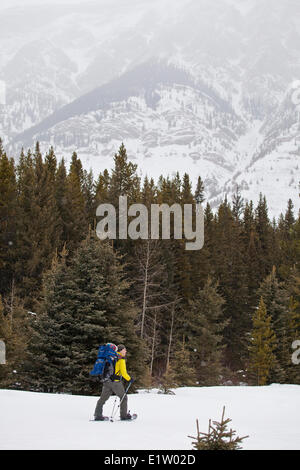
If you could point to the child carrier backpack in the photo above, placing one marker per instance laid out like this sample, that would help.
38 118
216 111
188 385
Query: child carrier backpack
104 367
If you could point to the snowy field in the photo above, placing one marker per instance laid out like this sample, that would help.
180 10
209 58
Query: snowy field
269 415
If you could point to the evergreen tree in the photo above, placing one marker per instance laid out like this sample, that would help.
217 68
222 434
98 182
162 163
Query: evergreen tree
289 218
229 268
186 190
218 436
147 381
237 203
201 260
249 244
38 231
76 216
292 326
149 192
276 300
8 214
168 381
89 197
265 247
185 258
84 304
51 166
262 345
43 208
184 367
102 188
25 222
204 329
199 193
288 234
14 331
124 179
60 193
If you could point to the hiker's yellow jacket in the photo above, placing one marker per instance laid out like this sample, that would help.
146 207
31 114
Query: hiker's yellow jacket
120 369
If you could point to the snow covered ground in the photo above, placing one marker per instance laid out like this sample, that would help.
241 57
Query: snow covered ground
269 415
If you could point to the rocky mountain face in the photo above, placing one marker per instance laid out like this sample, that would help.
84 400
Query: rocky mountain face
207 88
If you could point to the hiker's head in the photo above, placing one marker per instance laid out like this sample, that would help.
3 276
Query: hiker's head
122 350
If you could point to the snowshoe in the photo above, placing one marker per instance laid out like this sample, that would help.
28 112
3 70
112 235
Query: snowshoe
100 418
129 417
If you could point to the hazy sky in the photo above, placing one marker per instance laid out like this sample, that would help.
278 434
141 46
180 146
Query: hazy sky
12 3
4 4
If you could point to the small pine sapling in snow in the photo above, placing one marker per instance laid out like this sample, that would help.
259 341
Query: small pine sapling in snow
147 381
218 436
168 381
182 363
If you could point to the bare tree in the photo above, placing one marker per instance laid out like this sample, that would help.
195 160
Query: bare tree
153 295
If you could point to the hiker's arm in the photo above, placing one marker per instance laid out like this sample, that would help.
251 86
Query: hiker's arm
123 370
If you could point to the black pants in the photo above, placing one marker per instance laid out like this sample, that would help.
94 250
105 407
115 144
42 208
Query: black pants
108 389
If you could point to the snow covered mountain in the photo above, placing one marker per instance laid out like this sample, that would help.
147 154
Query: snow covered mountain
209 88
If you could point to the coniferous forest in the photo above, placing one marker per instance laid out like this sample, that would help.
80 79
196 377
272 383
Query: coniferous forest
226 314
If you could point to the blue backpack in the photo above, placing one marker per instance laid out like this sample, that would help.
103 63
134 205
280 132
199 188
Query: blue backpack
104 367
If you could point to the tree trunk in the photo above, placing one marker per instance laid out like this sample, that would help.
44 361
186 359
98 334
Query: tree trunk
145 290
153 344
171 335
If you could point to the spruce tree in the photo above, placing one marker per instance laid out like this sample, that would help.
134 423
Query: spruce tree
60 194
199 193
102 188
14 331
76 215
168 381
229 268
262 345
292 326
88 190
276 299
84 304
25 224
289 218
124 179
183 364
218 436
237 203
203 327
37 223
201 260
288 234
249 244
8 215
148 193
263 228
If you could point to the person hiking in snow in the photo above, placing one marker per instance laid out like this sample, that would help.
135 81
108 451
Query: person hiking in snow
114 385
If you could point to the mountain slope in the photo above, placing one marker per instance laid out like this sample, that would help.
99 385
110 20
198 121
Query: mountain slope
194 86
